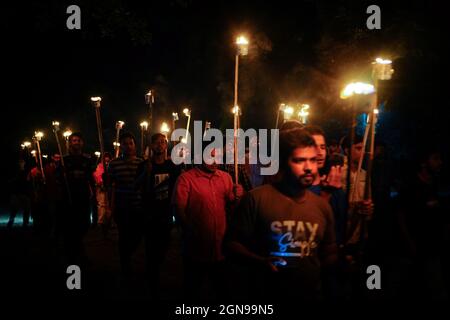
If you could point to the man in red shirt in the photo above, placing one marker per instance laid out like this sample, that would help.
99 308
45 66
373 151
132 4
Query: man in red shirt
201 198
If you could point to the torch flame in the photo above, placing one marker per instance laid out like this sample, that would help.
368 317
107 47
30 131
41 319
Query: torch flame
235 110
357 88
382 61
303 111
144 125
288 110
67 133
164 128
119 124
38 134
241 40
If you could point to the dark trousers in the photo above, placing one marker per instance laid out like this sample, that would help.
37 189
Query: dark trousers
157 240
130 225
41 217
75 224
204 281
284 285
17 202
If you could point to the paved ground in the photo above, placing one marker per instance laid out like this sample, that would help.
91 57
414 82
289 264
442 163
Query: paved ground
33 266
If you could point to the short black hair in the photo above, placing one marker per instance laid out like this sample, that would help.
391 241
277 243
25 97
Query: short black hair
315 130
291 124
76 134
155 136
346 141
127 135
293 139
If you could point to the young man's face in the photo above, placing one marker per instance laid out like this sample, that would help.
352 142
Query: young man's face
357 150
302 165
128 147
56 158
321 150
76 144
210 164
160 145
107 160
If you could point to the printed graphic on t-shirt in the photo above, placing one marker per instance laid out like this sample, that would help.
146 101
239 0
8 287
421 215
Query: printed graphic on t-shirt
291 238
161 186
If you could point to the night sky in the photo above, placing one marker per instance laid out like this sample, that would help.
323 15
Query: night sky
301 51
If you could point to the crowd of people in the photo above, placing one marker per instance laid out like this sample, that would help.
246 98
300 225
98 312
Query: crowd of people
310 230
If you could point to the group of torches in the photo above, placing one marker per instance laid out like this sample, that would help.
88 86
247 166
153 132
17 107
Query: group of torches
381 70
36 150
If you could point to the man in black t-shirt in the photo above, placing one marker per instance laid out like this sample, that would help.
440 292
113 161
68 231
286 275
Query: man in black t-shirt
77 194
285 231
157 177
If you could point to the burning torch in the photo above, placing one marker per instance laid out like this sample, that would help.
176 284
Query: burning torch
304 113
150 100
38 137
187 113
66 135
242 49
56 130
119 126
144 127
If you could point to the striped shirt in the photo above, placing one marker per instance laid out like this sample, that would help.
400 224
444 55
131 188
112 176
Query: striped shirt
123 175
